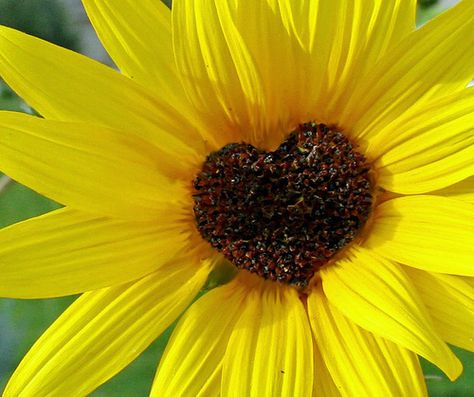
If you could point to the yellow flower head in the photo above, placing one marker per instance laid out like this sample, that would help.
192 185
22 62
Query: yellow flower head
317 153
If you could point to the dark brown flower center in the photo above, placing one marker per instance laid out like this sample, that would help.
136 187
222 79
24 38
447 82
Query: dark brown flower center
284 214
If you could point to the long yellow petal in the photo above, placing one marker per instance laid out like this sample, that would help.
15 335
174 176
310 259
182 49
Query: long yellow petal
66 252
415 72
361 363
463 190
379 297
427 151
103 331
216 69
64 85
256 36
88 167
270 349
323 384
192 362
427 232
304 65
407 127
450 301
338 55
139 41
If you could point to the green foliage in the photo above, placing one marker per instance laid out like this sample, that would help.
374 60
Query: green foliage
21 323
427 3
8 99
440 386
42 18
17 202
426 13
137 378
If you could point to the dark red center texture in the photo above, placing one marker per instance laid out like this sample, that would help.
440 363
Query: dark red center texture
284 214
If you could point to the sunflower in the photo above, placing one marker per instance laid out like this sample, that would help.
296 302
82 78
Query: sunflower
307 164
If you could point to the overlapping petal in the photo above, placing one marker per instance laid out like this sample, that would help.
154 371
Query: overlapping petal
291 68
66 252
64 85
88 167
450 301
140 42
338 55
432 62
323 384
379 297
192 362
216 68
361 363
251 71
103 331
433 233
422 152
270 349
463 190
275 57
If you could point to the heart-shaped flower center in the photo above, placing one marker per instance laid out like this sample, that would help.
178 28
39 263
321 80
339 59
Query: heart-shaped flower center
284 214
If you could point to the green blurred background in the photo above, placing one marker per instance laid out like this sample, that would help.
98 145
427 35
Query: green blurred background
23 321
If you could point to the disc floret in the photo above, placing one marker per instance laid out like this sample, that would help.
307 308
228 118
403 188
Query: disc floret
286 213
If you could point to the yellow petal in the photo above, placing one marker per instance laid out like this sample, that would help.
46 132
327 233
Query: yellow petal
361 363
427 232
88 167
261 39
192 362
139 41
463 191
379 297
270 349
434 61
323 384
427 151
216 69
306 20
439 111
67 251
342 41
450 301
63 85
304 61
103 331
